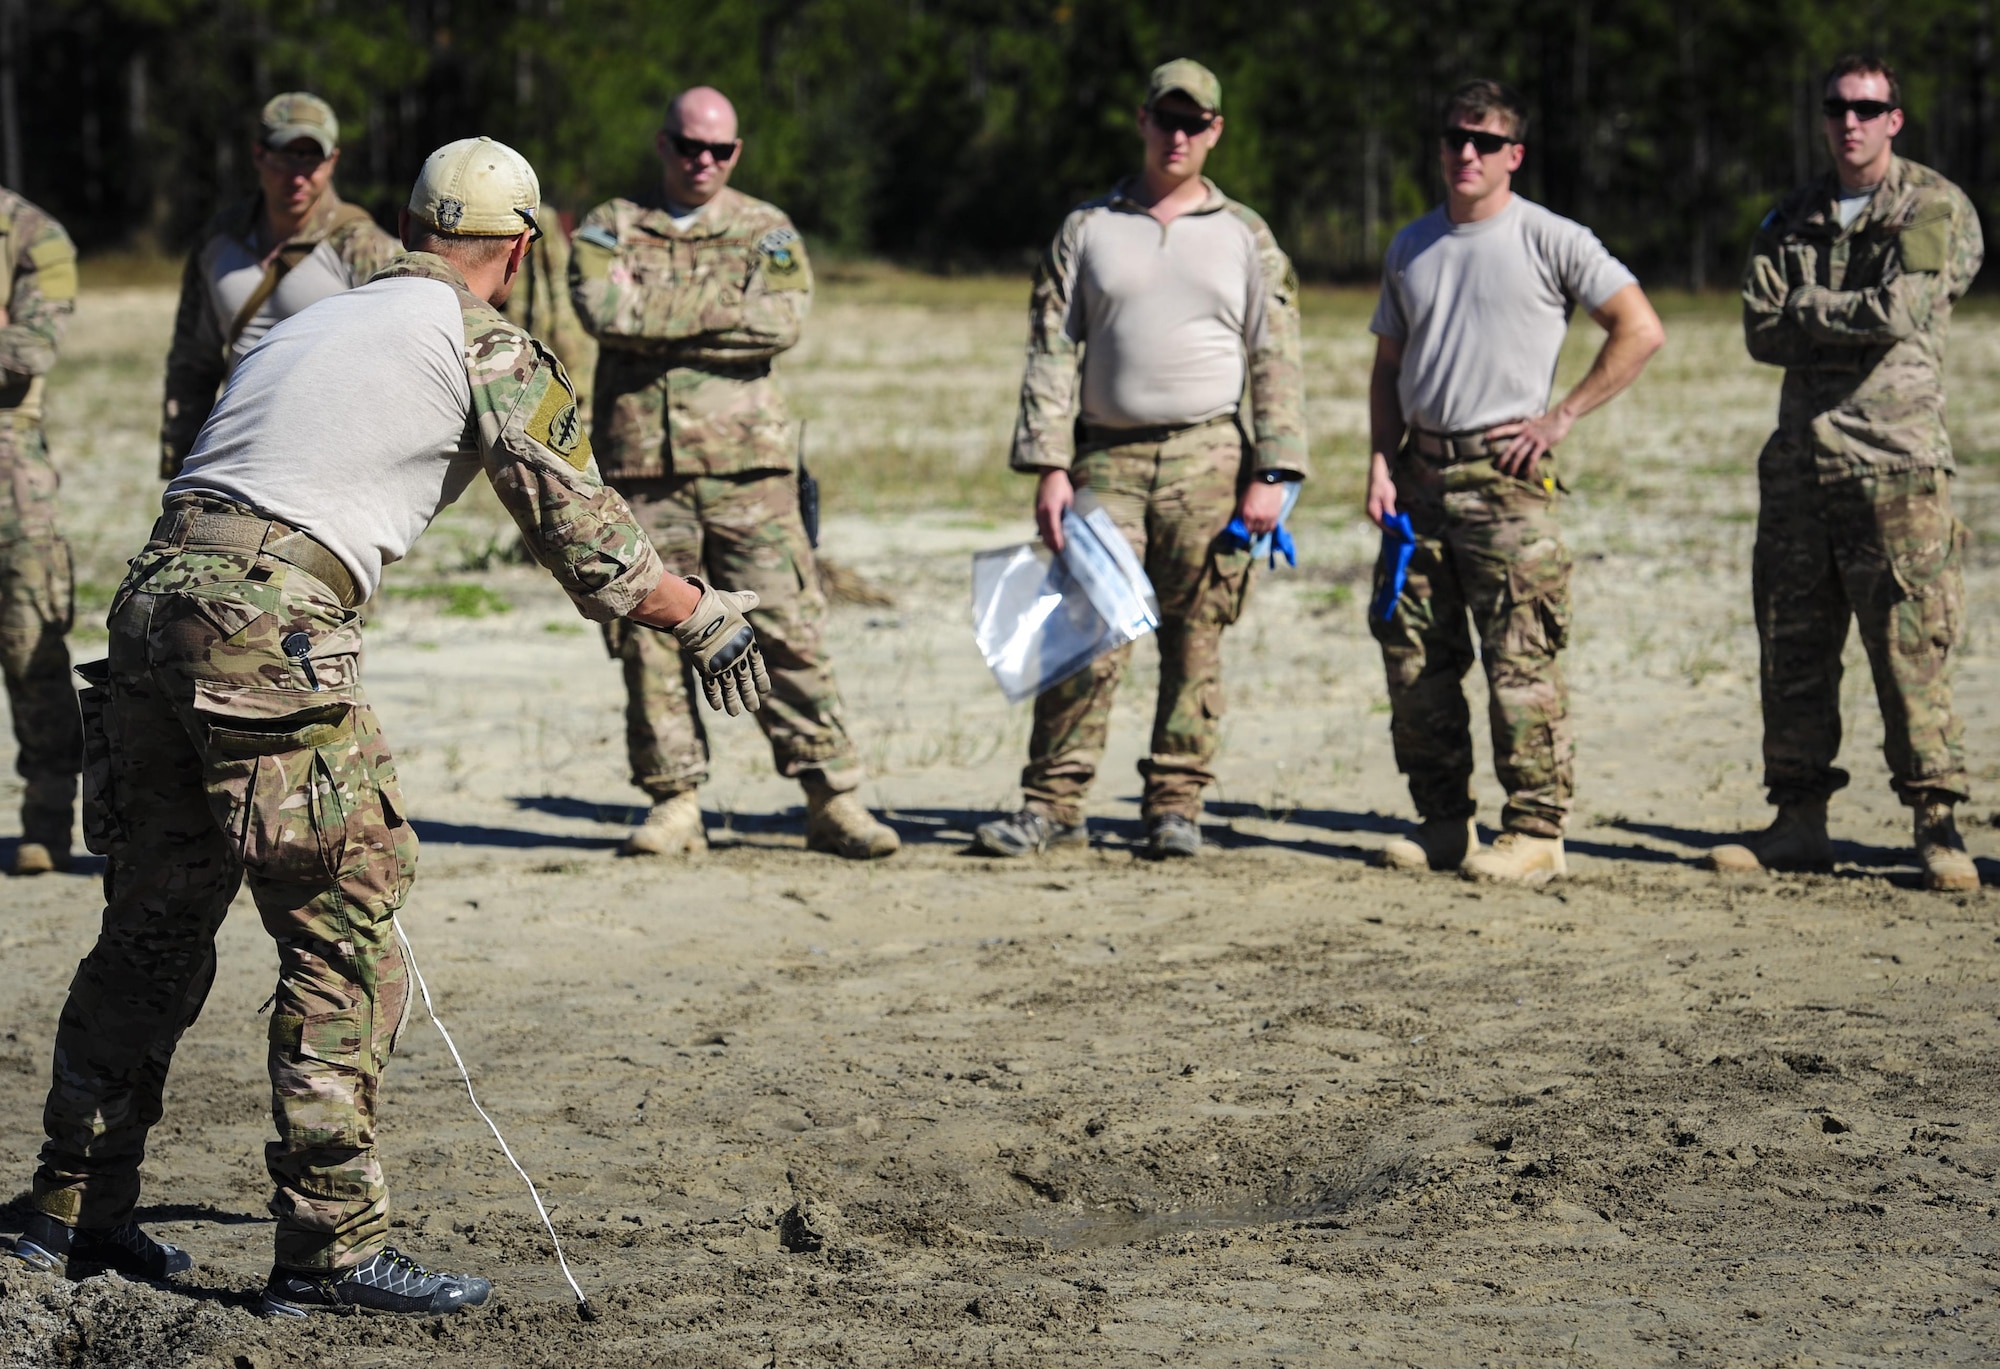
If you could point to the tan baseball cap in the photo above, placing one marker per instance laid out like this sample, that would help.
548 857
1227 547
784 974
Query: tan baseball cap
477 188
287 118
1190 78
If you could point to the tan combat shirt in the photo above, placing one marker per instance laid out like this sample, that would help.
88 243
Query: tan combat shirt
1858 316
688 322
335 249
1162 321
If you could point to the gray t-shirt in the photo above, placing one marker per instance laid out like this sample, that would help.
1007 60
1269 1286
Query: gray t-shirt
349 421
1481 310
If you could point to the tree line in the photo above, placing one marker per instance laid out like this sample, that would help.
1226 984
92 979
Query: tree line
954 133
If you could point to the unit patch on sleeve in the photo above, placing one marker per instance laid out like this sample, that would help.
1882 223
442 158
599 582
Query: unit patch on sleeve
784 259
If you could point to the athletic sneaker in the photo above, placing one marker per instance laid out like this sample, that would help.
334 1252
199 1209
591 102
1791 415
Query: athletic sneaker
386 1282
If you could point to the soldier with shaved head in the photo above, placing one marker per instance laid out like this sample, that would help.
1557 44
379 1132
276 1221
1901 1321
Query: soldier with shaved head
693 292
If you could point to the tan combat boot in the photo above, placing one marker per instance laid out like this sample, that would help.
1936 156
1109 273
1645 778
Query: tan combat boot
1438 844
1516 858
841 825
33 858
1796 840
672 827
1941 851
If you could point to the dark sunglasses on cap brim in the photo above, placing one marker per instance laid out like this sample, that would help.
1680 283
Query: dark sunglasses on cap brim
692 148
1486 144
1864 110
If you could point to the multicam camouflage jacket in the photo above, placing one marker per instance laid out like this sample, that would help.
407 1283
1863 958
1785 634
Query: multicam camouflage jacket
1044 433
38 264
1858 318
540 304
688 322
232 245
530 436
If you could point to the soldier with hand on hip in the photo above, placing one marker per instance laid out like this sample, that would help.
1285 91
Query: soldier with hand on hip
37 588
1156 306
259 262
227 734
1476 301
1850 288
692 295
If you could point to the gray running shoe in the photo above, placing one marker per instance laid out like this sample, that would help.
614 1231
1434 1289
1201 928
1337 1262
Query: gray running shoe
1171 836
386 1282
1027 833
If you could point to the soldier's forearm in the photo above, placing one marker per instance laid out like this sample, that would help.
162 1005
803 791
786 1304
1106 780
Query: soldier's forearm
27 351
1862 318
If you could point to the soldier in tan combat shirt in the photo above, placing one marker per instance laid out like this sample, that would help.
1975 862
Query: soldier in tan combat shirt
692 296
38 272
1850 288
259 262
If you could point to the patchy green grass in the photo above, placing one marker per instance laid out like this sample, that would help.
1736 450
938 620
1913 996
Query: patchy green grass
454 598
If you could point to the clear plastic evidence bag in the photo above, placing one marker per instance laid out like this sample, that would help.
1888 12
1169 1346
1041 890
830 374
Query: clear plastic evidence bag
1039 618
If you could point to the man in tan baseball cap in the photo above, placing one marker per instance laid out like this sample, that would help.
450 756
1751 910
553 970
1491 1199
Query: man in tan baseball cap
237 741
262 260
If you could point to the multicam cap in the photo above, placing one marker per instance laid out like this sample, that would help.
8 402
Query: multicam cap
477 188
287 118
1190 78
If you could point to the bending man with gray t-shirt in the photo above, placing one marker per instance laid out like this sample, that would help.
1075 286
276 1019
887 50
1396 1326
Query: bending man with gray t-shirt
1476 299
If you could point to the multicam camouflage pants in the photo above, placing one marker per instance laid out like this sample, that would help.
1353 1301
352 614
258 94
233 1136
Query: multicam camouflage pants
1886 552
740 532
1487 549
1171 496
36 609
208 756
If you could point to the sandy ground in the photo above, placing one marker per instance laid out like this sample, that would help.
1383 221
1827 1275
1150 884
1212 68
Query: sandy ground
1268 1107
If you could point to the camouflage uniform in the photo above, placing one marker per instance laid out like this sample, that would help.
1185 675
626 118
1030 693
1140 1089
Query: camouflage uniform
540 304
38 263
209 756
1855 517
691 427
1487 546
1171 492
198 360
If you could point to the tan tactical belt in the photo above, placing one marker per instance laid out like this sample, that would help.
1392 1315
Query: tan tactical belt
1124 437
193 526
1451 449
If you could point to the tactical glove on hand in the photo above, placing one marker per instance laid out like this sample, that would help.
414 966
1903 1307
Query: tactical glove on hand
724 648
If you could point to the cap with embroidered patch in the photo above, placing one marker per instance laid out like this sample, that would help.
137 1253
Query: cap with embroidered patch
1190 78
294 115
477 188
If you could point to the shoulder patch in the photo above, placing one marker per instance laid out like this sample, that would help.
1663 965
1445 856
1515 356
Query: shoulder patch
597 235
1926 242
55 267
784 258
558 426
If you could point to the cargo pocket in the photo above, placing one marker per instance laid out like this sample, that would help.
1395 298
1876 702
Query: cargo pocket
1930 607
384 829
1538 588
335 1038
103 833
277 763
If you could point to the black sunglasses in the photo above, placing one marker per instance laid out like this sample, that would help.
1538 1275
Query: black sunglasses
692 148
534 225
1194 125
1864 110
1454 139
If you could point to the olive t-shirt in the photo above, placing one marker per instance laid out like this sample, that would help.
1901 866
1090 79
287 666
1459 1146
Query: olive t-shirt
1481 310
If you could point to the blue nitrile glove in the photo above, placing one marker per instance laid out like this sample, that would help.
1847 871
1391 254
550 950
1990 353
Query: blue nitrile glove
1276 541
1398 531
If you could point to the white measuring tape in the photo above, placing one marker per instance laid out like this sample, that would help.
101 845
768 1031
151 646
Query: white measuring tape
582 1303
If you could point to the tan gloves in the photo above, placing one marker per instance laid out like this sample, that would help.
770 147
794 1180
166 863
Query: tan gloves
724 649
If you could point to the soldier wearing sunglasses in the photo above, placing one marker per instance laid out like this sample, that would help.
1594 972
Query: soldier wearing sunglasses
1157 305
259 262
692 293
1850 288
1476 301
